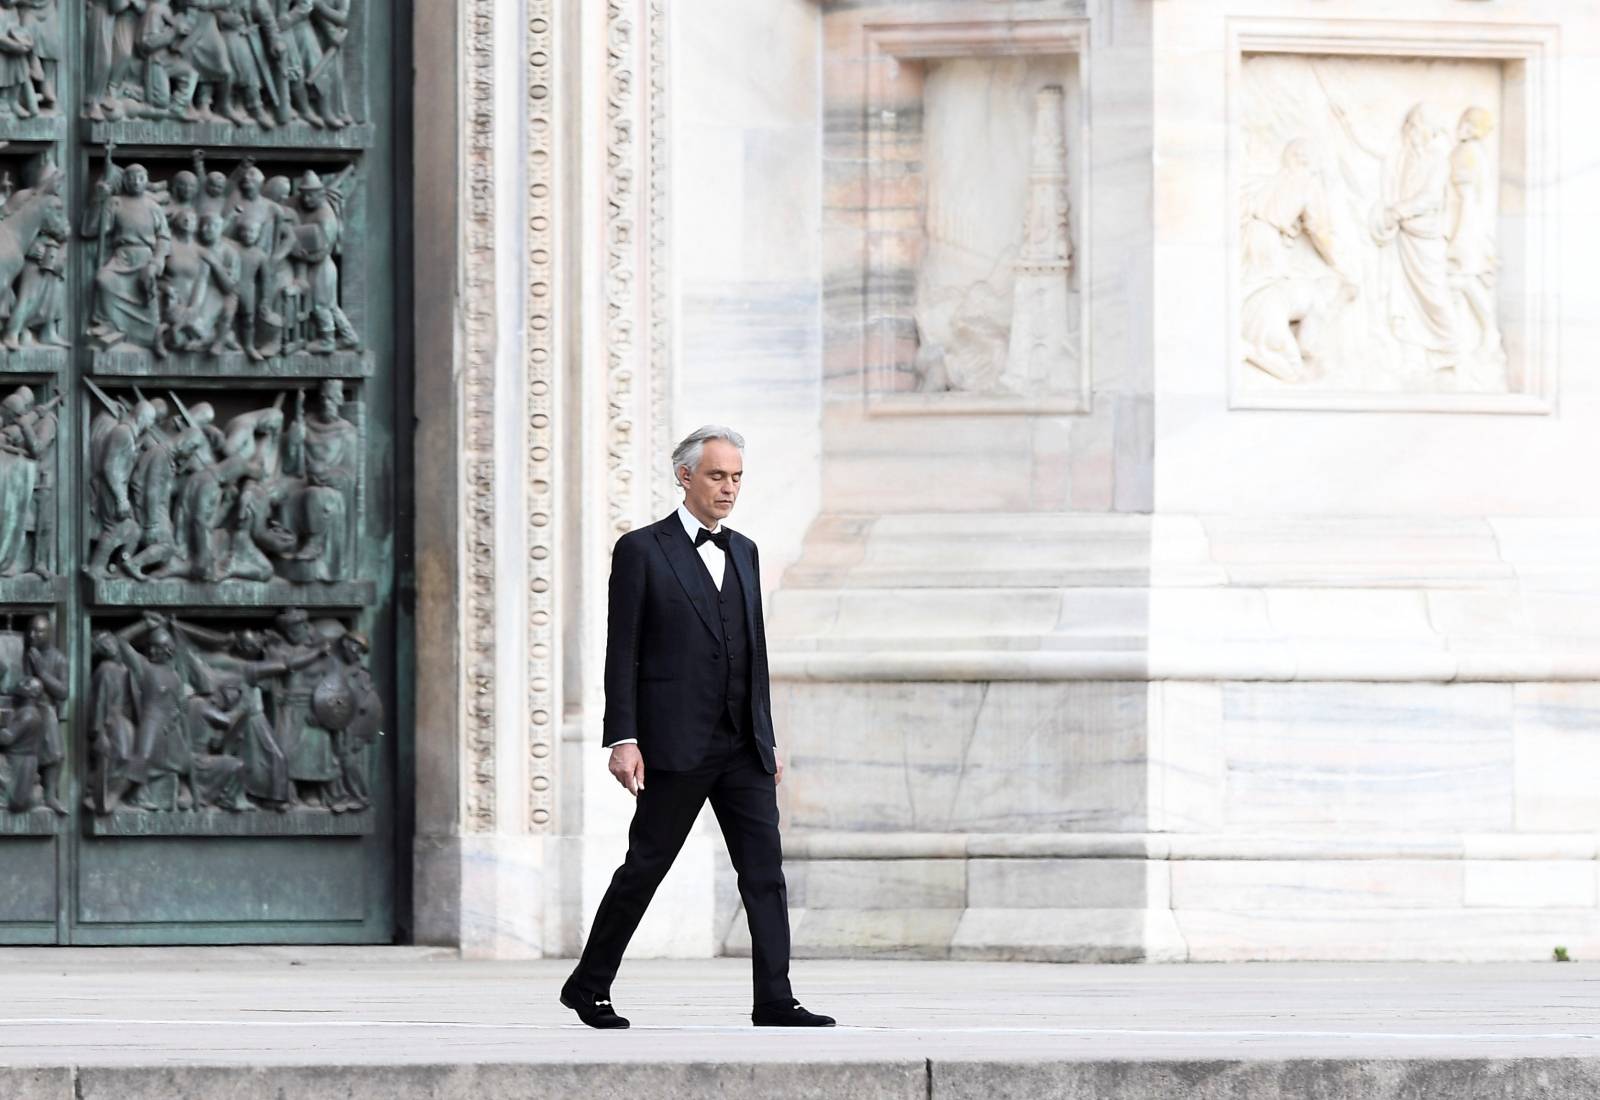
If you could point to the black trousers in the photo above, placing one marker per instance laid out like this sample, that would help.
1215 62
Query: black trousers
745 800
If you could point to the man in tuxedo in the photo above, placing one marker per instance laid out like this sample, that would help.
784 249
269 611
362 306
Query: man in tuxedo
687 696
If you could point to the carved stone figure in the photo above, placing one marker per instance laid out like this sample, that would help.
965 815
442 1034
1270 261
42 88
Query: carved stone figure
133 243
1286 298
1042 349
27 484
1412 219
1472 255
1369 262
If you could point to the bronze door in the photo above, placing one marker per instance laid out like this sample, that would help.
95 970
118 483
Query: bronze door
199 381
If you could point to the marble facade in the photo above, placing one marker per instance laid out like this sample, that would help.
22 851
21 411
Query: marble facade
1253 618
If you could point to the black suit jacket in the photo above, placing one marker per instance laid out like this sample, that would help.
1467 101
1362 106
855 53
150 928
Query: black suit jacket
664 681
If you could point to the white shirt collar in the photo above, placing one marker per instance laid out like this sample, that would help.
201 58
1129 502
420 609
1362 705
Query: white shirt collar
692 526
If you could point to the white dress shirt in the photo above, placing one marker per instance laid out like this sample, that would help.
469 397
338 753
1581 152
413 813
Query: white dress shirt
714 556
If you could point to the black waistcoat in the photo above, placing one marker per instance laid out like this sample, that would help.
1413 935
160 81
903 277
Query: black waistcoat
735 651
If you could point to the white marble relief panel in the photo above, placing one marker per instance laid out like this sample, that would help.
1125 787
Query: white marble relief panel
977 216
995 301
1370 205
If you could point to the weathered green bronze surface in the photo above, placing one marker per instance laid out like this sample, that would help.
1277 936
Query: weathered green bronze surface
197 398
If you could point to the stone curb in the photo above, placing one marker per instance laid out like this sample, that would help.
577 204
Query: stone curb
1310 1079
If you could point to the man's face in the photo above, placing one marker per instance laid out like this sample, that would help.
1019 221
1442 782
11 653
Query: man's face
711 490
137 181
39 632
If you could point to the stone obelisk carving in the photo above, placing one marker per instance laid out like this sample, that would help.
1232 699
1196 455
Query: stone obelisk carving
1042 355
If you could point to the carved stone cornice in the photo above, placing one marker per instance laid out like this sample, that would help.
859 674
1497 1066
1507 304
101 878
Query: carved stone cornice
478 398
540 323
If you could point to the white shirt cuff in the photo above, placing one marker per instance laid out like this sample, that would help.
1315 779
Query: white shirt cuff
624 741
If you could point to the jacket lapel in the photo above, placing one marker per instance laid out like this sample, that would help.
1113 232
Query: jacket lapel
739 556
686 566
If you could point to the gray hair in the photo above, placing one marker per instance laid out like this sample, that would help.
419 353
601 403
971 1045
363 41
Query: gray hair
689 451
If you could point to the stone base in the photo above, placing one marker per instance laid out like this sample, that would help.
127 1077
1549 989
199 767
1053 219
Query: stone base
483 894
1173 897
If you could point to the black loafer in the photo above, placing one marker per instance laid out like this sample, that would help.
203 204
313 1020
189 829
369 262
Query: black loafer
787 1014
593 1009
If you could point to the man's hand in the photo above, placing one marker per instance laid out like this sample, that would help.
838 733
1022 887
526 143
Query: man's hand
778 775
627 764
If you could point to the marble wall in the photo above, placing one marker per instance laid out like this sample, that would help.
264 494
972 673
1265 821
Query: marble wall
745 242
1204 656
914 237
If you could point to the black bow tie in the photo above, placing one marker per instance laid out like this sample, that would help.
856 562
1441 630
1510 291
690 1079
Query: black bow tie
718 537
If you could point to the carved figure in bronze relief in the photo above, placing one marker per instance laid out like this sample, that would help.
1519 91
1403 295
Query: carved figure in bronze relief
232 720
307 745
170 79
32 220
159 766
41 299
46 665
17 94
27 484
31 741
318 240
347 703
155 478
41 23
111 726
114 438
133 241
215 309
324 453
